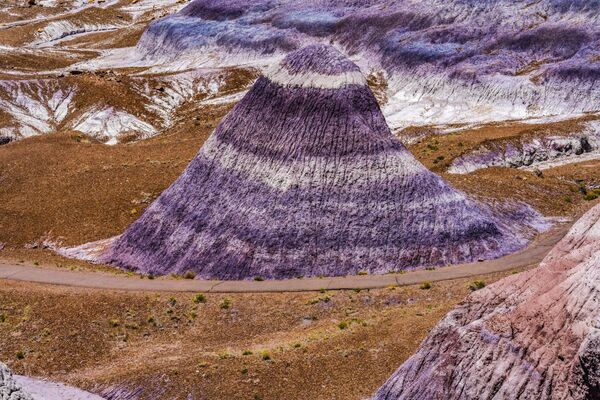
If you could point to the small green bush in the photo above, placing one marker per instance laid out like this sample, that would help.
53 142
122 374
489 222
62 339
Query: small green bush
590 196
425 286
343 325
265 355
2 317
363 272
20 355
259 278
114 323
226 304
199 298
247 353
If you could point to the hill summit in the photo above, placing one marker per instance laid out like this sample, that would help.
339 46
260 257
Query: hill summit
304 178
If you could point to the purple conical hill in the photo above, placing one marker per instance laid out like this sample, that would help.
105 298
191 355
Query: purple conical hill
303 178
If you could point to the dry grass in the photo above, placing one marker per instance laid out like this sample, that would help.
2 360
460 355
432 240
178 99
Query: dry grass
172 346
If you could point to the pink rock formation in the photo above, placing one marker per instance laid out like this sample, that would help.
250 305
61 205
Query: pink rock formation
535 335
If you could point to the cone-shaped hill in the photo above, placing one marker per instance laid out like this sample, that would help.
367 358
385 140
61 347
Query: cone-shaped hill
302 178
531 336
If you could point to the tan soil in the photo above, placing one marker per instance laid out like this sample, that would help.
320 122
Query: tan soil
98 339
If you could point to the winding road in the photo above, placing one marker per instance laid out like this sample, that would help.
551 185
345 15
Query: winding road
532 255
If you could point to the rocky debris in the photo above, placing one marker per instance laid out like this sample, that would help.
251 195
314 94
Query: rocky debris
303 178
535 335
9 389
536 153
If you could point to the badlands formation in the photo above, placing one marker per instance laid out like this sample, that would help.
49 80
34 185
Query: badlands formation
352 137
304 178
535 335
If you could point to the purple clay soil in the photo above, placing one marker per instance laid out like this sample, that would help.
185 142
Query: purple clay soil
307 181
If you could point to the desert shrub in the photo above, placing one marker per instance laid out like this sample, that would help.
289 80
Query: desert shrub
590 196
265 355
226 304
20 355
199 298
476 285
363 272
247 353
259 278
114 323
343 325
425 286
244 371
3 317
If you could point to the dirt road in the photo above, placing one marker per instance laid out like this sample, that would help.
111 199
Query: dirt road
532 255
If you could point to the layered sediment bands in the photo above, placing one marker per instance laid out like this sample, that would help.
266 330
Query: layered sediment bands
9 389
535 335
304 178
449 61
527 152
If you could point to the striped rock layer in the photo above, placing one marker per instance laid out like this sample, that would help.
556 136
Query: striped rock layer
303 177
534 336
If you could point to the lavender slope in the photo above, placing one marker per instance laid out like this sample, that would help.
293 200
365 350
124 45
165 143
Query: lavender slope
531 336
304 177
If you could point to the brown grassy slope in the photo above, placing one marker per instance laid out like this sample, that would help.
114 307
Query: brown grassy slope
172 346
59 185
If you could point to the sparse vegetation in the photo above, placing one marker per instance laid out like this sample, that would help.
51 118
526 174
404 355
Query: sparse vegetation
265 355
20 355
320 299
425 286
343 325
247 353
476 285
114 323
199 298
226 304
259 278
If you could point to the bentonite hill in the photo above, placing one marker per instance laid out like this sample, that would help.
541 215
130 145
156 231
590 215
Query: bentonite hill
531 336
304 178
